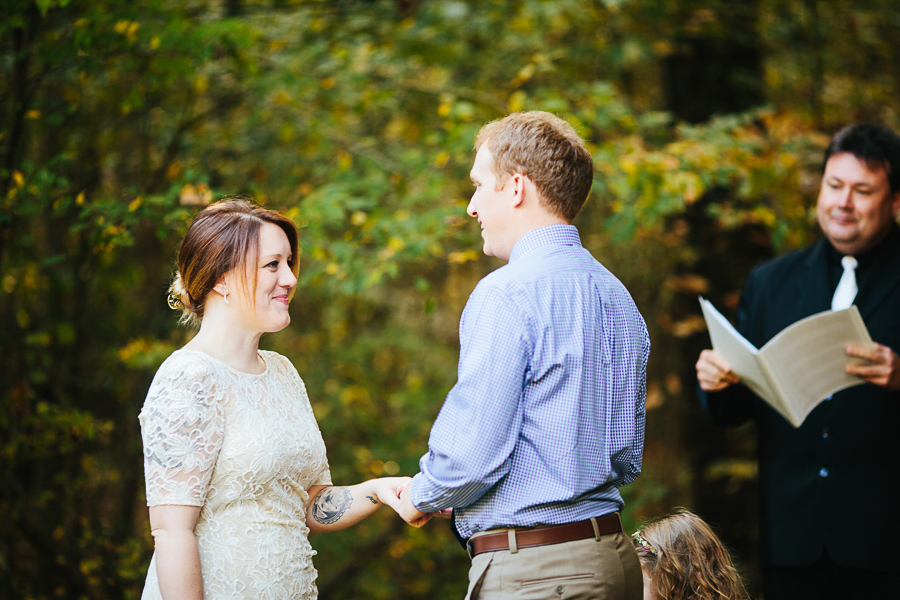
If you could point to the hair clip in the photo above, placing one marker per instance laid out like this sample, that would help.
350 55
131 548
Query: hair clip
636 536
174 302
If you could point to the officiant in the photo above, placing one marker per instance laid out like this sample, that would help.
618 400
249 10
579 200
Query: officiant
829 487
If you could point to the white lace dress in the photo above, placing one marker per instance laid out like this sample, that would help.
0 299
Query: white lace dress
244 448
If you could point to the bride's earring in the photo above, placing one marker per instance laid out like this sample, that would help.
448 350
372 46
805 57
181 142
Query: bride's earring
225 296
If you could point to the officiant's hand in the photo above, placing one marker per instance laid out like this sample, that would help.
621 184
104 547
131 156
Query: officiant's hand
885 367
407 511
713 372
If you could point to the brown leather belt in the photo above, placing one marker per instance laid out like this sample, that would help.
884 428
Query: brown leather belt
543 536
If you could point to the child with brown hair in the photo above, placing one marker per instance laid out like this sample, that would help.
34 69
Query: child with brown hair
683 559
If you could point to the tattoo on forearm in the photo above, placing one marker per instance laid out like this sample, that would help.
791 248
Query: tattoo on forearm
372 498
330 505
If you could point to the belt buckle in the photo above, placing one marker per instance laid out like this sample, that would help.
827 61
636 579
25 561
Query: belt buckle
469 549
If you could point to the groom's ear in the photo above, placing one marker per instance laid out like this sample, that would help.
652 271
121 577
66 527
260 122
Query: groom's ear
517 184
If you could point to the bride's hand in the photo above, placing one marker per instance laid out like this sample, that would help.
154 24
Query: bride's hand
387 490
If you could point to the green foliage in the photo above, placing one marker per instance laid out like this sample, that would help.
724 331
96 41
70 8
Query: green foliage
122 119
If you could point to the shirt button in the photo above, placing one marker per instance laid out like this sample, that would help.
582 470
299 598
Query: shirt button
560 589
823 472
825 433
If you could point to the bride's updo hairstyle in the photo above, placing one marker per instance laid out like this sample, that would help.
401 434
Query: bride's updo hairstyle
221 238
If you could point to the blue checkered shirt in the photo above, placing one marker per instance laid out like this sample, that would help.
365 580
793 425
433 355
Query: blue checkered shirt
546 420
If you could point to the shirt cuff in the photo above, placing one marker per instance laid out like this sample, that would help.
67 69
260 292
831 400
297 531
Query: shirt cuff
426 496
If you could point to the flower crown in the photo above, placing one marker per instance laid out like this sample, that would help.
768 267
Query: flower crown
636 536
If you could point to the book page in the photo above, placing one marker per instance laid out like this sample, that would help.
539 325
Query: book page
808 358
741 355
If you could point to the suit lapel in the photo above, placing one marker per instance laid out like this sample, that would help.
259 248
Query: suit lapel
884 278
813 283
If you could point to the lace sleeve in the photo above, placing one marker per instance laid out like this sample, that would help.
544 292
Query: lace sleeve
181 427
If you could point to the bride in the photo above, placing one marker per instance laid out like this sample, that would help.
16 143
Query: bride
236 471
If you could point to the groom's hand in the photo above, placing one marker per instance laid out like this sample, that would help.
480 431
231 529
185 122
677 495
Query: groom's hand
407 511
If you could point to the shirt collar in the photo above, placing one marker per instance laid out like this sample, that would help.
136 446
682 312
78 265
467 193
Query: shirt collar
551 235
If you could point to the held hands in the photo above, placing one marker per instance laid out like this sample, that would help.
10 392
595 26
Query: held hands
713 372
407 511
885 367
395 492
387 490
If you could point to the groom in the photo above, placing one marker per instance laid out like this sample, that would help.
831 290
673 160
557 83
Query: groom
546 420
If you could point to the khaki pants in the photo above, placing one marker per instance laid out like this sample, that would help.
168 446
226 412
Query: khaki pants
604 569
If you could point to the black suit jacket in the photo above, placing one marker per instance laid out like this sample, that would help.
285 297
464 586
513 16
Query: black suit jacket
832 483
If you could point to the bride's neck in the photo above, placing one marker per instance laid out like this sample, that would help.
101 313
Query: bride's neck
224 340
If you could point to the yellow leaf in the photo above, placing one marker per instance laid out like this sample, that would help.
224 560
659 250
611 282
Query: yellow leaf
358 218
440 161
463 256
135 204
688 326
18 178
200 84
199 195
79 199
173 171
524 74
689 283
34 115
328 83
444 109
154 42
655 397
282 98
517 101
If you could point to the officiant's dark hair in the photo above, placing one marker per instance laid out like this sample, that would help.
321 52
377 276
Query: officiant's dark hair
875 145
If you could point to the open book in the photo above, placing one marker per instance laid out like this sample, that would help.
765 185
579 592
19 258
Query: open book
799 367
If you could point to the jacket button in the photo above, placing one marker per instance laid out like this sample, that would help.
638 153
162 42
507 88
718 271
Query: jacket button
823 472
825 433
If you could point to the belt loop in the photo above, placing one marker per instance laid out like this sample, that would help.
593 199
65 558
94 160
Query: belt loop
596 528
513 544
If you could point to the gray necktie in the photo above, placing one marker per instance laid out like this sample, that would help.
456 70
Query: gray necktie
846 288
